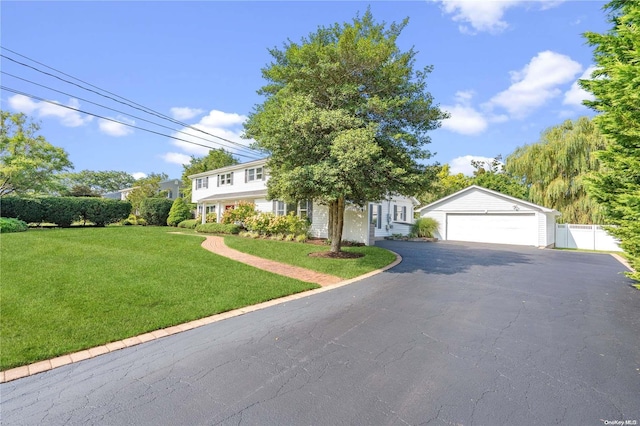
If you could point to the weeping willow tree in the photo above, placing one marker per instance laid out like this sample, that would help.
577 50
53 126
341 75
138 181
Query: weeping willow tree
555 169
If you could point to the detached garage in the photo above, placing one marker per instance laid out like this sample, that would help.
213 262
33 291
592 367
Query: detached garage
481 215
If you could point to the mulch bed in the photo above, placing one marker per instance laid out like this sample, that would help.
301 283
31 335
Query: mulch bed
339 255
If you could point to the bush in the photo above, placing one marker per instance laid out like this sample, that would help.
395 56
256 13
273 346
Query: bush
12 225
188 224
425 227
240 213
270 224
179 212
65 210
155 211
218 228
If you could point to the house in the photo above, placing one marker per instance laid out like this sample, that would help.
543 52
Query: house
172 186
482 215
221 189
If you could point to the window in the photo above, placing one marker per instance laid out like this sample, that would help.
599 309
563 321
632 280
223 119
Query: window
254 174
305 209
202 182
302 209
225 179
281 208
399 213
169 193
375 218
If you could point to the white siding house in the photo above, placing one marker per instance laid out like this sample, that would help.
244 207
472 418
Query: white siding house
481 215
221 189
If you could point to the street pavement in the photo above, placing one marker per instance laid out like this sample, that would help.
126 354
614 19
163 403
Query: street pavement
460 334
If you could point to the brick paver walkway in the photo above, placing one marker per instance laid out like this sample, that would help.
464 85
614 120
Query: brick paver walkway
217 246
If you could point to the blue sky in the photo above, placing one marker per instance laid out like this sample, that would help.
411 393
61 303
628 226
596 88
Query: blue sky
505 70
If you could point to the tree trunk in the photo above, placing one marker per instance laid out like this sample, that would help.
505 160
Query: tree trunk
336 220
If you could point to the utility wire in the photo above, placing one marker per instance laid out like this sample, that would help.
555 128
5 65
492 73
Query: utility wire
129 103
247 150
8 89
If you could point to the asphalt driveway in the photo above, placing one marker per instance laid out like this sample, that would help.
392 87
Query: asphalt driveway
465 334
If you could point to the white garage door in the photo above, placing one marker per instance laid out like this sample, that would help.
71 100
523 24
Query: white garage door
518 229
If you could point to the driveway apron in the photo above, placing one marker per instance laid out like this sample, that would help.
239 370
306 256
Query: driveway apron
468 334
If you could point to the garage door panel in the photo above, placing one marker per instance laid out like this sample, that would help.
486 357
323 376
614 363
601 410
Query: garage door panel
518 229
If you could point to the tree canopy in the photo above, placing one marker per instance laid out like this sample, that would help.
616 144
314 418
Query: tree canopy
555 168
28 163
215 159
615 85
98 182
345 118
147 187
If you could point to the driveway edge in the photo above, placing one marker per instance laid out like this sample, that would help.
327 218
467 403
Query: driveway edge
50 364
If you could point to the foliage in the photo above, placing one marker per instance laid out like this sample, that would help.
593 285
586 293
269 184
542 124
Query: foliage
80 191
555 168
218 228
12 225
215 159
63 211
492 175
155 210
443 184
147 187
424 227
268 224
615 85
105 284
240 213
95 182
28 163
189 224
133 220
179 212
343 101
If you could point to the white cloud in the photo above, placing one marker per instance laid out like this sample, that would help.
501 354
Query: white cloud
576 94
176 158
536 83
486 16
219 123
185 113
139 175
112 128
66 116
464 118
463 164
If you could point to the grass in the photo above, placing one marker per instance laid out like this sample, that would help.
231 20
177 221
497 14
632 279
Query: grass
296 254
65 290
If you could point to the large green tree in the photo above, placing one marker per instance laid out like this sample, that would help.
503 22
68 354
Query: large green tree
147 187
28 163
215 159
492 175
99 182
443 184
555 169
345 118
615 85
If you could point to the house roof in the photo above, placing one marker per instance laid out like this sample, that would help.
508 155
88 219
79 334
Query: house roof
493 193
255 163
235 195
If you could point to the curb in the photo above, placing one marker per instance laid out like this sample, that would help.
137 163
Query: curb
623 261
72 358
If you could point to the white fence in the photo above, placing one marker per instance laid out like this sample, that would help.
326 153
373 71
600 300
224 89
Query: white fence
587 237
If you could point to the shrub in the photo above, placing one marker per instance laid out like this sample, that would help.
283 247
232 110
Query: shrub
240 213
188 224
102 211
218 228
12 225
155 210
270 224
302 238
425 227
179 211
28 210
211 218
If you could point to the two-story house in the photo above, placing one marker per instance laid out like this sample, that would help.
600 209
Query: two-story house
221 189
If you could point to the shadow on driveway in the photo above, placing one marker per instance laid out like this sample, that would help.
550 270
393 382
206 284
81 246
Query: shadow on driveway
447 258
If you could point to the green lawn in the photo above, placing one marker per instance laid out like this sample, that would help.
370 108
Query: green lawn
297 254
65 290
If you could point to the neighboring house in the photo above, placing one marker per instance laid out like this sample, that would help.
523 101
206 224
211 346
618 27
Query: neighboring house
221 189
172 186
481 215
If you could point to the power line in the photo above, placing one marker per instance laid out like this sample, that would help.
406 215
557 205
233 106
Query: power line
8 89
131 104
122 112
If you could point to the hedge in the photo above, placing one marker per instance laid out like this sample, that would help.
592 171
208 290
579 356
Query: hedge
155 210
189 224
64 210
218 228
